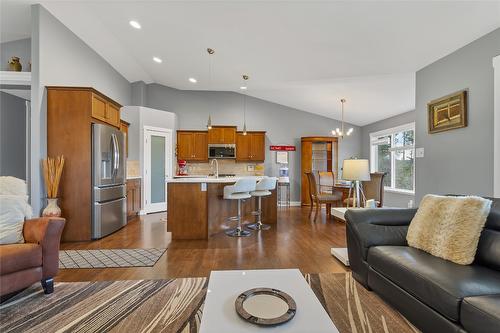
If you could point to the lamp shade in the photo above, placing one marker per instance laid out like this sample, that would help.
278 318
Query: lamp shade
356 170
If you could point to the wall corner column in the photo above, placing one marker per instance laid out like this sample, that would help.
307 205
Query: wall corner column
496 128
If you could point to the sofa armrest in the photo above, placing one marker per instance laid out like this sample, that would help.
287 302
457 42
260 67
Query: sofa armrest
374 227
46 232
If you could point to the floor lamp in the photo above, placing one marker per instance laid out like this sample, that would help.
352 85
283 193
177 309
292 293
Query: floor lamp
356 171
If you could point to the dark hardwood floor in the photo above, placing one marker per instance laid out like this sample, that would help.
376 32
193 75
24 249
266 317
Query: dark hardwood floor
295 242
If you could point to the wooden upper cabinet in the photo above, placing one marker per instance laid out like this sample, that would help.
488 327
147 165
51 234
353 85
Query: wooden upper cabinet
113 114
200 147
184 145
242 147
251 147
105 110
222 135
258 146
98 107
124 129
192 145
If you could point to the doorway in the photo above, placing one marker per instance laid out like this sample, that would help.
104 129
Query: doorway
15 112
157 168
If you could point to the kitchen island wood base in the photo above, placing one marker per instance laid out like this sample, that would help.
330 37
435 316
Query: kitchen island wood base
198 210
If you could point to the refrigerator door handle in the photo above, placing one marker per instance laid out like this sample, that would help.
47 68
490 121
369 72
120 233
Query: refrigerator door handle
118 155
115 155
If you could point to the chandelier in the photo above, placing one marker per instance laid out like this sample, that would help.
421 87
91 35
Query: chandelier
339 132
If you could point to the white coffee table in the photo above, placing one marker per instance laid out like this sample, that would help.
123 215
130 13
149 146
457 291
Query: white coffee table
341 252
219 314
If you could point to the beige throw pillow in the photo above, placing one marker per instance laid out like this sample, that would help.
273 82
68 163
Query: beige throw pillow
449 227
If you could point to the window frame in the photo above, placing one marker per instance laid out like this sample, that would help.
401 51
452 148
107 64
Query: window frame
373 155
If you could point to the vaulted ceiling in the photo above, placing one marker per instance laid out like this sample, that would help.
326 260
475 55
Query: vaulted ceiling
303 54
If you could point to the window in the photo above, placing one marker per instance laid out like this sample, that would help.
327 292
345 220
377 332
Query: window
393 152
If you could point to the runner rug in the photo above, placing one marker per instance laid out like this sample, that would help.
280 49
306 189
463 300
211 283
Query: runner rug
176 305
109 258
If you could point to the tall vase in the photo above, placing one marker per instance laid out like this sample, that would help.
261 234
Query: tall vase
52 209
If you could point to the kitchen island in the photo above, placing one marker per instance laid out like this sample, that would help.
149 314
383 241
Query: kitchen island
197 210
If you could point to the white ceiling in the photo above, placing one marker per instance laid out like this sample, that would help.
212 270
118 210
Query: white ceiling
303 54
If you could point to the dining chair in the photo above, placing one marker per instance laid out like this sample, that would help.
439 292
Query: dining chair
372 189
321 198
327 185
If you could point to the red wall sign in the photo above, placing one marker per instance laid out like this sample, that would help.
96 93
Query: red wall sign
282 148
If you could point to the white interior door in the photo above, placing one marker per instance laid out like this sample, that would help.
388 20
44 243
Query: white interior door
157 168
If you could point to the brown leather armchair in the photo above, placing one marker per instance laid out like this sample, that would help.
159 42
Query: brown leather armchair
37 259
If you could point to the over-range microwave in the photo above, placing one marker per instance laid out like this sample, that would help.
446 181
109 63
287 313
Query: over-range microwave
221 151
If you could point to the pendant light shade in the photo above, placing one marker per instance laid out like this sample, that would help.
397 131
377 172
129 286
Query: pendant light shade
210 52
245 78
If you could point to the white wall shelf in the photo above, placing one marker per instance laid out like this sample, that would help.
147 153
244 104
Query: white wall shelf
15 78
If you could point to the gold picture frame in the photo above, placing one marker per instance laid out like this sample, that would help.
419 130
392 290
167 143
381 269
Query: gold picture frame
448 112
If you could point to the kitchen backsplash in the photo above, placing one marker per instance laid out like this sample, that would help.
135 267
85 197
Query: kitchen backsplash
133 168
227 167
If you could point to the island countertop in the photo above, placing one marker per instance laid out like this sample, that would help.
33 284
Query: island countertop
197 208
209 179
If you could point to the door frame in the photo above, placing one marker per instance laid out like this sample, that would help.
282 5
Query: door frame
168 133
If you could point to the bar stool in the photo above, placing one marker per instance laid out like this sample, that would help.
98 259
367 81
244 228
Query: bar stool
239 191
262 189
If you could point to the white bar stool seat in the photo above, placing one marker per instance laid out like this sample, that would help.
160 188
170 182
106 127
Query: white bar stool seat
262 189
239 191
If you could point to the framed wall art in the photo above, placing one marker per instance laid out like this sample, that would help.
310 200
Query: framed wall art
448 112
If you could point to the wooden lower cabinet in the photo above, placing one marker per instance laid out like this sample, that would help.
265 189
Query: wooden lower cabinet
133 197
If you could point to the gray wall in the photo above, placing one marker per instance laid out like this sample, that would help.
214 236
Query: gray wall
17 48
460 160
284 125
12 136
59 57
390 199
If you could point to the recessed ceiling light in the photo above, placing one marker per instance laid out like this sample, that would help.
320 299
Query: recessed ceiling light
192 80
243 88
158 60
135 24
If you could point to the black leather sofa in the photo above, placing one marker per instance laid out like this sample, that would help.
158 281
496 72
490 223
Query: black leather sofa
436 295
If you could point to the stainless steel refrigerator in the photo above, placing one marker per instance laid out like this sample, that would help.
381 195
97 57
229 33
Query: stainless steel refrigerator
109 211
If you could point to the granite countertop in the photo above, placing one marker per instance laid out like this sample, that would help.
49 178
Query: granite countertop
207 179
134 177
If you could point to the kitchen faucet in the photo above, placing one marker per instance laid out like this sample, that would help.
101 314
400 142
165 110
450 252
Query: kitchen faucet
216 167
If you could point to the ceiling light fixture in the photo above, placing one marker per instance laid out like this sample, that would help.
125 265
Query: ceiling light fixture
210 54
135 24
245 79
340 132
192 80
158 60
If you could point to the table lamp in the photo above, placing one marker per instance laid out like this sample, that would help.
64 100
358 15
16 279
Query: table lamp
357 171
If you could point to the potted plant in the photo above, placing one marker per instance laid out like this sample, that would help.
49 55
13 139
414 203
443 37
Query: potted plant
52 171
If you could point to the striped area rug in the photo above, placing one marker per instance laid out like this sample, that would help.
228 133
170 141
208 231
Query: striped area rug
176 306
109 258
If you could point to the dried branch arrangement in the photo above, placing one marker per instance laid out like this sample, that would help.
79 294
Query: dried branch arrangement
52 170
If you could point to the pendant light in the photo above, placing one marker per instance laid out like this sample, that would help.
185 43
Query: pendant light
339 132
210 53
244 87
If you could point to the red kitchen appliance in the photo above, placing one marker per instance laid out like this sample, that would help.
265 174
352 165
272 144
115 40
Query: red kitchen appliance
182 168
